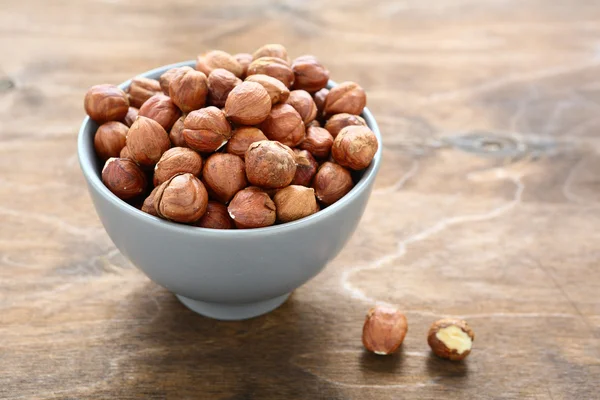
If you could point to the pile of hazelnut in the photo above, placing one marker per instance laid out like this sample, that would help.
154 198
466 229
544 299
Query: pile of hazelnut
245 140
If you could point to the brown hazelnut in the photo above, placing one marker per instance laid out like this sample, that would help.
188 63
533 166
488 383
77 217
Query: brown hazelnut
224 175
177 160
314 123
284 124
188 89
451 339
304 104
165 79
105 103
141 89
273 66
176 133
182 198
332 182
338 122
272 50
244 59
220 83
295 202
161 109
276 89
384 330
207 62
206 130
270 164
347 97
124 178
215 217
248 104
131 115
309 74
252 208
354 147
148 205
125 153
147 141
306 168
109 139
319 98
242 138
318 141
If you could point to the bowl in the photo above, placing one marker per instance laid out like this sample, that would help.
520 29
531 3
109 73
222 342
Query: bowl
226 274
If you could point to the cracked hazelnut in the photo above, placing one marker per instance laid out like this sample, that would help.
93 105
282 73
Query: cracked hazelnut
148 205
161 109
177 160
215 217
338 122
309 74
244 59
176 133
242 138
188 89
273 66
224 175
294 202
354 147
451 338
141 89
131 115
384 330
306 168
206 130
248 104
165 79
182 198
319 98
125 153
124 178
332 182
272 50
270 164
110 138
252 208
304 104
275 88
284 124
318 142
220 83
347 97
105 103
214 59
147 141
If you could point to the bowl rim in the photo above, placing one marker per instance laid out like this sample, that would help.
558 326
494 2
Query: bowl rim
93 179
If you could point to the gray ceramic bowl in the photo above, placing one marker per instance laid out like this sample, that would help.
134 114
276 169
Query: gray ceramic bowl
226 274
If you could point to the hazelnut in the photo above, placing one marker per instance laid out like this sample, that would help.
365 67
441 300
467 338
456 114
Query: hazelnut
125 153
131 115
314 123
188 89
206 130
248 104
243 137
207 62
182 198
339 121
295 202
272 50
319 98
105 103
304 104
161 109
224 175
347 97
309 74
332 182
215 217
147 141
165 79
177 160
318 141
306 168
451 338
176 133
384 330
220 83
273 66
148 205
284 124
276 89
124 178
141 89
109 139
252 208
244 59
354 147
270 164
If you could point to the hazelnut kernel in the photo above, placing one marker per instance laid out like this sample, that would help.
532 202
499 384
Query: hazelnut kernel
278 92
182 198
304 104
272 50
332 182
206 130
224 175
110 138
384 330
306 168
248 104
141 89
131 115
188 89
318 142
338 122
214 59
270 164
105 103
161 109
148 205
295 202
309 74
147 141
252 208
124 178
284 125
354 147
220 83
177 160
176 133
242 138
273 66
215 217
244 59
347 97
451 339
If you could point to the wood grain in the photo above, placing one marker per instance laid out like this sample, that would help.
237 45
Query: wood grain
487 205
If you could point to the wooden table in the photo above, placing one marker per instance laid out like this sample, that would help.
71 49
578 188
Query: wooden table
487 206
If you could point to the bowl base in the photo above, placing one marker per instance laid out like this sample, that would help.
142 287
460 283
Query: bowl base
233 312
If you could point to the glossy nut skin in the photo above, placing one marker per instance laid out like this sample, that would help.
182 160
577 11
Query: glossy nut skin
306 168
176 133
141 89
147 141
206 130
124 178
188 89
270 164
216 217
278 92
354 147
244 59
319 98
131 115
384 330
177 160
304 104
148 205
224 175
220 83
248 104
338 122
182 198
295 202
284 125
318 142
105 103
309 74
125 153
332 182
273 66
252 208
242 138
272 50
110 138
347 97
161 109
165 79
214 59
439 348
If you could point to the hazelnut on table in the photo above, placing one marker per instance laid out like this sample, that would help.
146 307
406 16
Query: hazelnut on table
384 330
451 339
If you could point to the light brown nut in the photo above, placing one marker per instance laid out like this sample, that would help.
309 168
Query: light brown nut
338 122
451 339
319 98
216 217
166 77
318 142
302 102
309 74
224 175
284 125
242 138
306 168
110 138
182 198
188 89
244 59
270 164
354 147
148 205
220 83
295 202
177 160
272 50
214 59
124 178
276 89
248 104
105 103
252 208
332 182
176 133
206 130
131 115
147 141
347 97
384 330
141 89
161 109
125 153
273 66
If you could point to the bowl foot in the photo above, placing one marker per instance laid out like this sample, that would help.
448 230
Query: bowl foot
233 312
